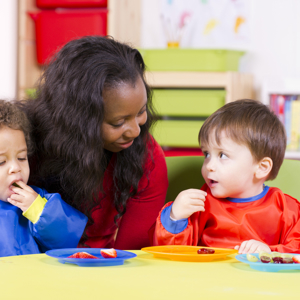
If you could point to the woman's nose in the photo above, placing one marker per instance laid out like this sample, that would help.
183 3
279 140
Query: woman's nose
133 130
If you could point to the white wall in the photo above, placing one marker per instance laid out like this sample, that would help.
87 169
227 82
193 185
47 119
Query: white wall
273 50
273 55
8 49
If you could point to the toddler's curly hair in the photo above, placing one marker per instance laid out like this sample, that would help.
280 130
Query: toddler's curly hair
13 117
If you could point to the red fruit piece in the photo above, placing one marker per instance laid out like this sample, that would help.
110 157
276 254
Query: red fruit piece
82 255
108 253
265 259
205 251
296 259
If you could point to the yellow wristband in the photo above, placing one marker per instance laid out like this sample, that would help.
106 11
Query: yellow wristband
35 210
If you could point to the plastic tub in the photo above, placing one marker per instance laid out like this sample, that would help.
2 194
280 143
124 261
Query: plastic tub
56 27
70 3
191 59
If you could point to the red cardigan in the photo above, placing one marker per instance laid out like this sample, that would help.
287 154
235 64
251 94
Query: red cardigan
141 211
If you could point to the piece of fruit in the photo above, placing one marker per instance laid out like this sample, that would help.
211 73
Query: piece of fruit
265 259
296 259
277 260
205 251
108 253
264 253
82 255
251 257
16 185
276 254
287 260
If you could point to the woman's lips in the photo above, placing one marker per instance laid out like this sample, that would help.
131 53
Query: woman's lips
125 145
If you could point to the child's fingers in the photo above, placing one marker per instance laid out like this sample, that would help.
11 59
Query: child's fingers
17 197
243 247
253 248
23 186
13 202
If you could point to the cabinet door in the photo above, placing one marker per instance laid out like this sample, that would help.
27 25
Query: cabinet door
182 113
187 102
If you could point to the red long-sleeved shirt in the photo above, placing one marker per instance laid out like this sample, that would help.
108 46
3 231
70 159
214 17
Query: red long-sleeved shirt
141 211
273 219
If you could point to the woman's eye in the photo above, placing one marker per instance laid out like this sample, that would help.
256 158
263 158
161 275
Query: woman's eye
141 112
117 125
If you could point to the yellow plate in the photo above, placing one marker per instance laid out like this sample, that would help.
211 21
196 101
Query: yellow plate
187 253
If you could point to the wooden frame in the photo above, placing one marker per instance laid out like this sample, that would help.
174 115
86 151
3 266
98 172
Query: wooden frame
123 25
237 85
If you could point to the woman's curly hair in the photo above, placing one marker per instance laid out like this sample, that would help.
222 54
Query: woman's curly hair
67 114
13 117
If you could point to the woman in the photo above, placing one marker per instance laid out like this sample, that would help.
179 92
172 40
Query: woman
91 119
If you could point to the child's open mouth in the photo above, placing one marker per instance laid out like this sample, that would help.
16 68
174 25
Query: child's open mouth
212 182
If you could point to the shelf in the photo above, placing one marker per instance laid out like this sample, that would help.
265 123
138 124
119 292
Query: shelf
237 85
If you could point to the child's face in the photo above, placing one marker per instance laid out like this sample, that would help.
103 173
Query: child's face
229 169
125 112
13 160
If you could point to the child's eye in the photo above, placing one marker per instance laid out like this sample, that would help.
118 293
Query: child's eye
223 156
22 158
206 154
2 163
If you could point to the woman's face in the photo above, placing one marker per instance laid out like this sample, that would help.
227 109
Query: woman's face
124 113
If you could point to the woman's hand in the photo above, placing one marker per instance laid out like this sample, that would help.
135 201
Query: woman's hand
23 196
252 246
187 202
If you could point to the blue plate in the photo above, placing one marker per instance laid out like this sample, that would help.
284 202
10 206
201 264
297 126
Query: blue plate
62 256
270 267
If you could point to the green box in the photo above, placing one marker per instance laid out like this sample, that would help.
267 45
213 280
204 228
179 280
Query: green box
187 102
177 133
208 60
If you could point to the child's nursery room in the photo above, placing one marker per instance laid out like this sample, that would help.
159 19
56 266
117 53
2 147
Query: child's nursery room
150 149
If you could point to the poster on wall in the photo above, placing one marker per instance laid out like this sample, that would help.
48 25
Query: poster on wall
195 24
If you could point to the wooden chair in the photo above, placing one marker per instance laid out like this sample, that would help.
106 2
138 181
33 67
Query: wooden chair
184 172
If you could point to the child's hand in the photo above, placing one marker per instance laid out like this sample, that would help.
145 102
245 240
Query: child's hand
187 202
23 196
252 246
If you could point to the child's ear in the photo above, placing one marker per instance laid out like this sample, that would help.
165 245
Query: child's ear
264 168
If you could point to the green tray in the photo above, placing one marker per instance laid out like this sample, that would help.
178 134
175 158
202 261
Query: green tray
187 102
191 59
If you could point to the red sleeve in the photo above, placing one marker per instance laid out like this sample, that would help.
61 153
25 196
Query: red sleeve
290 230
189 236
141 211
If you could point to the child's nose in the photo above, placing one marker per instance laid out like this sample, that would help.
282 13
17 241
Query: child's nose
14 167
211 166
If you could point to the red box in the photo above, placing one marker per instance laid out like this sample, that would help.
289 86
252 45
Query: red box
56 27
70 3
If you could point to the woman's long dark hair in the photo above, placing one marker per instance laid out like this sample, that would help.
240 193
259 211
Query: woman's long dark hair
67 115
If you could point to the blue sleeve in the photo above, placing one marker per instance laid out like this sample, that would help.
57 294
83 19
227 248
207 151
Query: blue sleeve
60 225
170 225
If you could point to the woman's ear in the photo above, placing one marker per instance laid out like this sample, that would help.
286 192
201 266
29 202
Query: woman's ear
264 168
